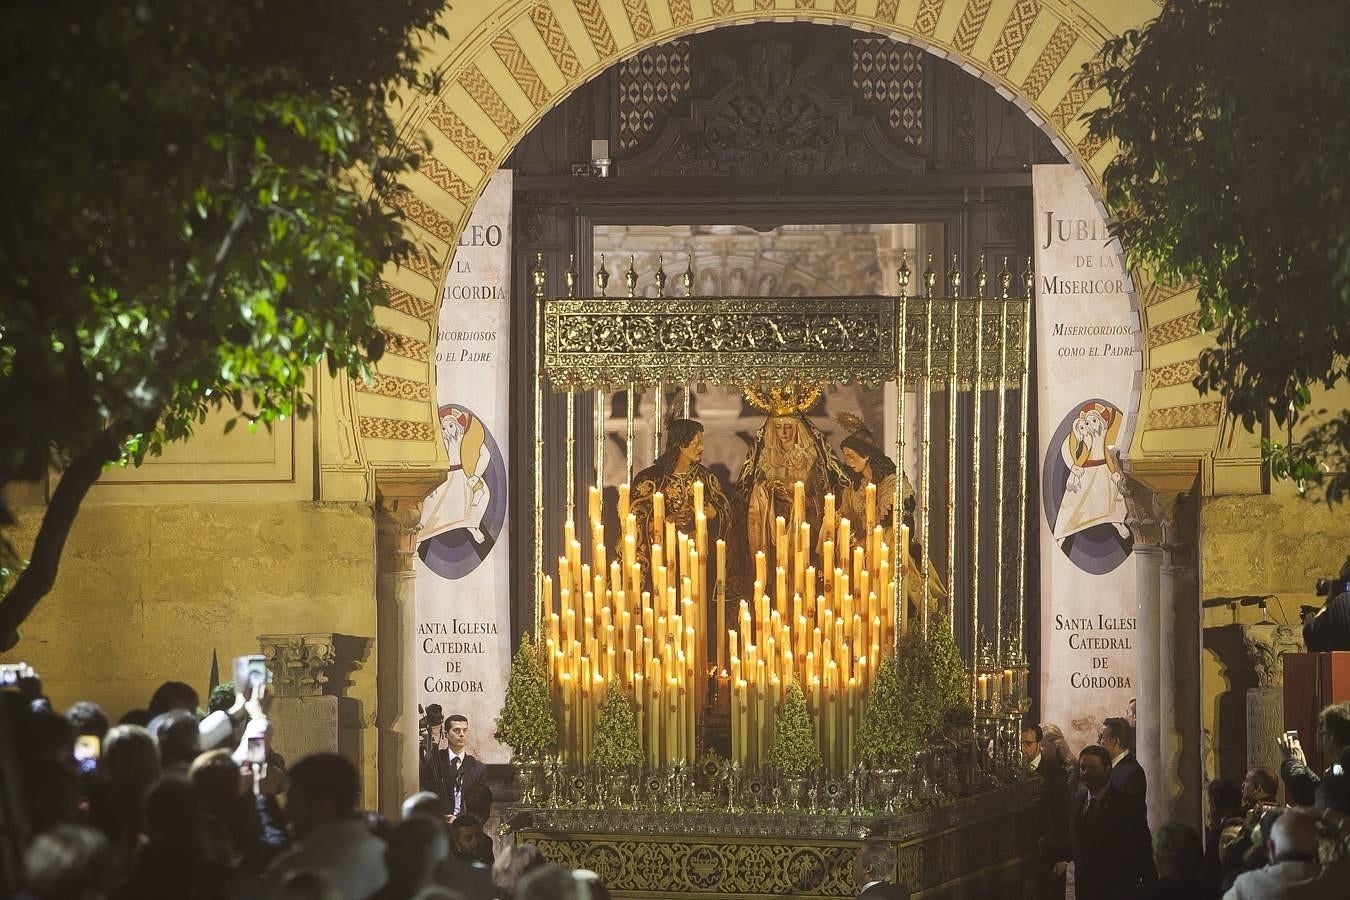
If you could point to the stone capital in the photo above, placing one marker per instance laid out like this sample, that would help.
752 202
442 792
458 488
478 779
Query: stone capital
299 663
1265 643
398 506
1161 500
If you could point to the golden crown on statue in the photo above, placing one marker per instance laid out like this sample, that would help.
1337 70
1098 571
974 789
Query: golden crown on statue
784 399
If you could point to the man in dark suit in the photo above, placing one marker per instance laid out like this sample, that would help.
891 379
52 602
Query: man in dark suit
1129 780
450 769
1105 865
463 770
873 869
1052 819
1127 776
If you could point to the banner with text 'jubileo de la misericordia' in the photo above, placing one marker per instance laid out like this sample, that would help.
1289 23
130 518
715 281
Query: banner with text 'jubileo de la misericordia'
1087 357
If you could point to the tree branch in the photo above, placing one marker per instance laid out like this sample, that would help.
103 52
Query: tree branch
38 578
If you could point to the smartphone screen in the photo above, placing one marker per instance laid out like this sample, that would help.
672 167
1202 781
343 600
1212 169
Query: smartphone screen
87 750
257 749
257 671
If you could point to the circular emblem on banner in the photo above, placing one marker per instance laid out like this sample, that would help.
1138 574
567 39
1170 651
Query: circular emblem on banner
1082 490
462 519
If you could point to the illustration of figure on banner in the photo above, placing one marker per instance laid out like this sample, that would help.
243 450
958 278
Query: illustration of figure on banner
1084 489
463 517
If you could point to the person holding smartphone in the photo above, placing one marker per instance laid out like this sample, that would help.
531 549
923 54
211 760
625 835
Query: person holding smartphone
1304 787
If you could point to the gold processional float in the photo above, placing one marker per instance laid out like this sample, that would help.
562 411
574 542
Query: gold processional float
821 611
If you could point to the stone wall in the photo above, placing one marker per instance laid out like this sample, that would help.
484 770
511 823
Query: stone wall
147 592
1255 545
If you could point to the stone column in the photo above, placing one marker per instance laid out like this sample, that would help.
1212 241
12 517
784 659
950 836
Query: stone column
399 498
304 717
1148 558
1160 497
1266 642
1179 684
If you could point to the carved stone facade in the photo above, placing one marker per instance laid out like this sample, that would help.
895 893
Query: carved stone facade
782 105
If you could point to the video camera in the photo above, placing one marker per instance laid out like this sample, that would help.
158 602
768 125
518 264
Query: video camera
1330 587
1325 587
1328 628
429 718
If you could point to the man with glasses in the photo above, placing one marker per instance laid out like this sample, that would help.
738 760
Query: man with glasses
1052 810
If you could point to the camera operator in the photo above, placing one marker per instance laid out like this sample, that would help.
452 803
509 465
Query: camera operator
1328 628
432 743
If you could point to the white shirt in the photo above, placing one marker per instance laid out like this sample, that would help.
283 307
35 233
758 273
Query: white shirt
1035 762
455 805
1115 760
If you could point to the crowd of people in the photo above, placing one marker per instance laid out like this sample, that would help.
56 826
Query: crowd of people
174 801
1095 839
177 802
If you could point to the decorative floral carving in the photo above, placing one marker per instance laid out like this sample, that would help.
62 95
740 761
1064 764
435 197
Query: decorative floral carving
599 343
298 662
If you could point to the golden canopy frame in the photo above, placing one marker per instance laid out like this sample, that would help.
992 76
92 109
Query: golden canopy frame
925 343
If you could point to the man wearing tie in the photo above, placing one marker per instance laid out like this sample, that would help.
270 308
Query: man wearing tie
461 769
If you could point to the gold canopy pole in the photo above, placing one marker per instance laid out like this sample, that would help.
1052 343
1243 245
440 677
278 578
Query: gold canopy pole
953 291
1004 282
570 512
953 372
630 279
899 552
1028 281
977 394
628 432
600 398
538 279
929 283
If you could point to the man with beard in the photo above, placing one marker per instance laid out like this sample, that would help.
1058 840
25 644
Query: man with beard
673 476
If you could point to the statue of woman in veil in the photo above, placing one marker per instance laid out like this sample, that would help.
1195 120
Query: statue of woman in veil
788 448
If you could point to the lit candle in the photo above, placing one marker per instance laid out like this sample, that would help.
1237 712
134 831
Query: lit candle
623 502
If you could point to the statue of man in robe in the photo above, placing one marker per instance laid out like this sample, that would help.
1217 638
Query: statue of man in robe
673 476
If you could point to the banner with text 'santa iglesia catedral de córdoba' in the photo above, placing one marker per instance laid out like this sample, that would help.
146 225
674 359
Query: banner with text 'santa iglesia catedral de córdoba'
463 633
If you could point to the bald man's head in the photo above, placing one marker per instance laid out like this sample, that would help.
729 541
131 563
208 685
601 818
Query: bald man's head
1293 836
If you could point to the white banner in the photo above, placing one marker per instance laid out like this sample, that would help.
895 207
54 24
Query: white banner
1088 351
463 653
